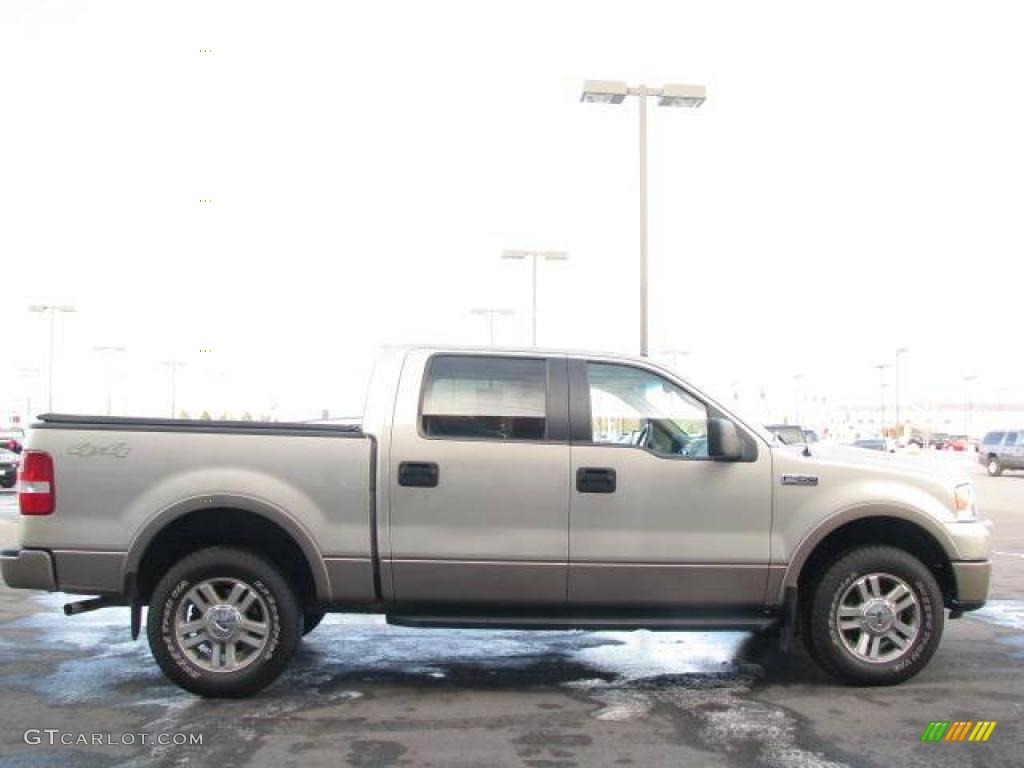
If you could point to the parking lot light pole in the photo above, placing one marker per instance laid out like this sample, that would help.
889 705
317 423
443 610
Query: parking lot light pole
174 365
109 353
669 95
516 255
52 309
491 314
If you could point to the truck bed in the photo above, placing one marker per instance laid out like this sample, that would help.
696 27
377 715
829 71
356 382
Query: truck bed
120 480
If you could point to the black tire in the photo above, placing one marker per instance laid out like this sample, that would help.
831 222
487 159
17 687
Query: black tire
310 621
274 601
7 483
828 646
994 466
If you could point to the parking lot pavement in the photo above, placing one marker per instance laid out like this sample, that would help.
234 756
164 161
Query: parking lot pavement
363 693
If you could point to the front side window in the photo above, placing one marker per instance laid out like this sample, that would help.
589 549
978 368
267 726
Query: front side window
631 406
1011 439
494 398
993 438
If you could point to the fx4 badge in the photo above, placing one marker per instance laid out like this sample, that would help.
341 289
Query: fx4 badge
799 479
85 450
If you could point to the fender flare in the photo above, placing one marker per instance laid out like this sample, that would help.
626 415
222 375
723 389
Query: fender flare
851 514
265 509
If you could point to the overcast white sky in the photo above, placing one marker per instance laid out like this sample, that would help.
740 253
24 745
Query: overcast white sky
854 183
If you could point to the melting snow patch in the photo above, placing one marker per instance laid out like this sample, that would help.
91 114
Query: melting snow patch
1004 613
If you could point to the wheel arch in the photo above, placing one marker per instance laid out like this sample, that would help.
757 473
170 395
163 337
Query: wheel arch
892 526
242 521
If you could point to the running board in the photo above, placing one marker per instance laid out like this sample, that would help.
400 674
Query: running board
735 623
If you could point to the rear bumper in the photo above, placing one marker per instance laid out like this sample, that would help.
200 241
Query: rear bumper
28 569
972 578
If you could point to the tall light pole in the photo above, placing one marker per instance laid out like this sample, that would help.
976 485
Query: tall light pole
491 314
669 95
516 254
52 310
109 353
896 388
881 395
174 365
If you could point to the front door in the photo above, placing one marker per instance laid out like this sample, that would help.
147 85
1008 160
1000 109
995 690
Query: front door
653 520
479 489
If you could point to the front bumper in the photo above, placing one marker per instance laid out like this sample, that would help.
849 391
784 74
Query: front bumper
972 578
28 569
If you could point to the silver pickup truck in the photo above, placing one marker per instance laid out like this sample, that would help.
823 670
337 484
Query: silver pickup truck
496 488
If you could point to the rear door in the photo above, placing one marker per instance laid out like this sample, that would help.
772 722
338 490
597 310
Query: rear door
479 480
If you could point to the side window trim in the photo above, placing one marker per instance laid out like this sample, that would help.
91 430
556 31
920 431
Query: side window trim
556 409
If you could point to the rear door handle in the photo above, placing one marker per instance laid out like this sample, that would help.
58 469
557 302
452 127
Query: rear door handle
418 474
595 480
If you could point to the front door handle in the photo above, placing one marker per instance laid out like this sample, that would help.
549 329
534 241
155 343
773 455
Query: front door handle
595 480
418 474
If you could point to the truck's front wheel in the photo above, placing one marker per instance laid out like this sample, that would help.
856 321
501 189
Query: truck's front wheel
223 622
876 617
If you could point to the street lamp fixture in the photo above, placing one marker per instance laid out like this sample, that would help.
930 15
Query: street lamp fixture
519 255
669 95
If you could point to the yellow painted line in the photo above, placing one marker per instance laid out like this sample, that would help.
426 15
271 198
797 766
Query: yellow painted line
988 731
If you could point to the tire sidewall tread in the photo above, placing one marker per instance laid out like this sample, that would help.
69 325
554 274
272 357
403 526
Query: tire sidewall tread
284 616
824 642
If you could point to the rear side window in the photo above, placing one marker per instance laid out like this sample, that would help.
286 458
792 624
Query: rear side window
493 398
1011 438
993 438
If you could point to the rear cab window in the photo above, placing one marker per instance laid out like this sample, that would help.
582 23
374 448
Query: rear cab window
488 398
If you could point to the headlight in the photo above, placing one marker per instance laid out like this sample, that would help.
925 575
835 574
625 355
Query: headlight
963 502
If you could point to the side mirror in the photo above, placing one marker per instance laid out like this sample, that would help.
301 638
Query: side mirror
724 443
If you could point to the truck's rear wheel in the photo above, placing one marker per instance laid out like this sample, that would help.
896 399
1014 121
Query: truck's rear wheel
875 617
223 622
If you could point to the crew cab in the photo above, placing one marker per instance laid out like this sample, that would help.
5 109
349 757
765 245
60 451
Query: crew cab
496 488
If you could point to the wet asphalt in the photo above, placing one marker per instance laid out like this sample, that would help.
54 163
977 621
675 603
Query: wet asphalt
362 693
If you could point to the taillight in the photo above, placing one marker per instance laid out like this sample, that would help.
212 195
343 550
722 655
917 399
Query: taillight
37 492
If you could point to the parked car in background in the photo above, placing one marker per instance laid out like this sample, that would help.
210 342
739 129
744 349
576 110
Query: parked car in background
938 440
11 439
1002 450
789 434
957 443
8 468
